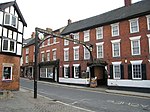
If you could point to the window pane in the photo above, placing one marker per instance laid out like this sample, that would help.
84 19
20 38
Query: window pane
7 19
12 46
49 72
7 73
13 23
5 45
43 72
137 74
76 72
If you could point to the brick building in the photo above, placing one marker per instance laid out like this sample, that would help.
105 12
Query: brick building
121 49
12 26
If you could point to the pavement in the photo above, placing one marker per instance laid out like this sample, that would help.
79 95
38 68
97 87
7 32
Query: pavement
23 101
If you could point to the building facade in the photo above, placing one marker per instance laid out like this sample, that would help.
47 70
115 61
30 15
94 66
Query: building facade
121 49
12 26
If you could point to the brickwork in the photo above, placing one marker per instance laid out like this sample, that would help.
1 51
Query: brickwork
14 83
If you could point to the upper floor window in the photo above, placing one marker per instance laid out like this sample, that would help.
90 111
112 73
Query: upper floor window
54 39
99 33
10 20
100 53
66 42
116 48
135 45
48 55
66 54
134 25
115 29
48 42
27 50
86 35
148 22
9 45
27 59
43 56
54 54
76 37
76 53
149 41
86 53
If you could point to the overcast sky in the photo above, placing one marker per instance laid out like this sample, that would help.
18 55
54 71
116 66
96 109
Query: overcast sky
55 13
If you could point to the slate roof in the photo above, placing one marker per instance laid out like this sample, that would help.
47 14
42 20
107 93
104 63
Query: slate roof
126 12
29 42
13 3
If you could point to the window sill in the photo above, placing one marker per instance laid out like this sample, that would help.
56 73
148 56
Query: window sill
7 80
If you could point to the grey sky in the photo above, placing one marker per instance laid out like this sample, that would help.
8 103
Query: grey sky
55 13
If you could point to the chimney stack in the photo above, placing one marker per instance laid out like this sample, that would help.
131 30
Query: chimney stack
49 30
69 21
33 35
127 2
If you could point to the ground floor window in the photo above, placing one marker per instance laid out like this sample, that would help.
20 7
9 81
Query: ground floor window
76 70
66 71
7 71
46 72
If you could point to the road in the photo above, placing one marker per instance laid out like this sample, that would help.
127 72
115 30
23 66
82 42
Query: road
90 100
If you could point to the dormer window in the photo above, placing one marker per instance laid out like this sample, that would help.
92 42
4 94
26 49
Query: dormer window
10 20
8 45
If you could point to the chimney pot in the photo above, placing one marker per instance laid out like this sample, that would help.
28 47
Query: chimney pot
127 2
69 21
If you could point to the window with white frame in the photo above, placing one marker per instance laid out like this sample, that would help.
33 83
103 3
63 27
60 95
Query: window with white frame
7 71
27 58
54 54
66 42
48 41
43 72
86 35
76 52
115 29
148 22
10 20
136 69
76 37
116 48
66 71
48 55
99 33
149 41
134 25
100 51
135 45
9 45
54 39
27 50
116 70
86 53
43 56
76 70
66 54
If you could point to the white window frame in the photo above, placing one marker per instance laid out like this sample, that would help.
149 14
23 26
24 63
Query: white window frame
114 70
54 40
86 53
149 42
27 50
86 35
66 54
99 33
137 38
8 46
7 65
65 75
137 24
148 22
42 56
66 42
113 26
76 65
76 37
115 42
54 55
97 46
137 62
76 54
10 21
48 41
27 58
48 55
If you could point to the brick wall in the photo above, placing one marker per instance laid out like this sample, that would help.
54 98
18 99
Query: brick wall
14 83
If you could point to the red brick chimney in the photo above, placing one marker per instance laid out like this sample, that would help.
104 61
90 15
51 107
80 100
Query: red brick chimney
127 2
33 35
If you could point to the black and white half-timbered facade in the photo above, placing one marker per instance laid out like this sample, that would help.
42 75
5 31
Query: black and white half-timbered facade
12 26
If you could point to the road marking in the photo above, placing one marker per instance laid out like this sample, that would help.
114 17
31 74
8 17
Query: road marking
58 101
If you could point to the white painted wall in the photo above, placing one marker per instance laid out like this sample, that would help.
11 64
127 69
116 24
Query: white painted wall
74 81
129 83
